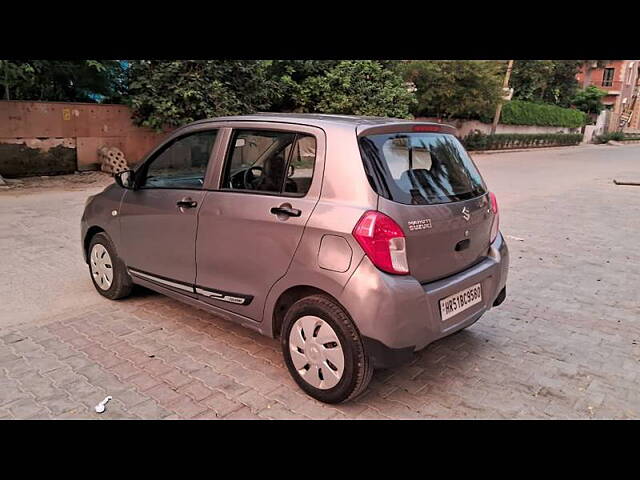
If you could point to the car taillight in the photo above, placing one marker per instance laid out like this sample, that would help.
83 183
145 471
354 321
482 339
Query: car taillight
383 241
496 217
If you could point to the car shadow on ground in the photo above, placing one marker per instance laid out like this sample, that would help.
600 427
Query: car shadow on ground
436 368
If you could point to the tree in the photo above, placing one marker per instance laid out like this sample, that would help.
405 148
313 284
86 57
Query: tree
171 93
563 85
462 88
356 88
545 81
589 100
62 80
530 79
290 75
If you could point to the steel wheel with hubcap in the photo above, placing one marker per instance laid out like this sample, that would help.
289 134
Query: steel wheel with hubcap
101 266
316 352
323 350
108 272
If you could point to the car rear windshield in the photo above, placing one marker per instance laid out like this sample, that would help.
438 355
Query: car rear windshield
420 168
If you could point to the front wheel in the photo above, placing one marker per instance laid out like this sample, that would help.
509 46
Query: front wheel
323 350
108 272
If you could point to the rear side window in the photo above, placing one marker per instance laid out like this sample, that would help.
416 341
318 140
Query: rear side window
271 162
420 168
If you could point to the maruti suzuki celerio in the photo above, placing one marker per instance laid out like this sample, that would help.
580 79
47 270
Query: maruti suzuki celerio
355 240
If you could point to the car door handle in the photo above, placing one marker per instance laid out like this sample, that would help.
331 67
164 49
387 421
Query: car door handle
187 203
286 210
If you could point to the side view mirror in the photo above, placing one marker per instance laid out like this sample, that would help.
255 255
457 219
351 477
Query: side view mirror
125 179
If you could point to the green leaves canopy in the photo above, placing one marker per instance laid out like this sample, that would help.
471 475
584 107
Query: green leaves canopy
170 93
589 100
545 81
356 88
461 88
62 80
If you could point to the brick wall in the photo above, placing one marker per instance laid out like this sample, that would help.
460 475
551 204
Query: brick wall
42 138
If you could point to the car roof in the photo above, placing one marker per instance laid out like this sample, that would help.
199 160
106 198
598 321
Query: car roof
316 119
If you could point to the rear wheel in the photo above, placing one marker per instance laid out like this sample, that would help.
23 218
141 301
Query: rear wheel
108 273
323 350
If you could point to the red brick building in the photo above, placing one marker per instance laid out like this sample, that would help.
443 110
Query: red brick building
621 79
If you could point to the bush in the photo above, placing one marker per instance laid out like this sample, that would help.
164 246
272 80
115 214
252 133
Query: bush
615 136
517 112
500 141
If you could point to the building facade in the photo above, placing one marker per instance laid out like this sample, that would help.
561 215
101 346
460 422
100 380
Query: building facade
621 80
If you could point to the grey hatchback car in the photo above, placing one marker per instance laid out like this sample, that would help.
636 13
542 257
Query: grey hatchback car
355 240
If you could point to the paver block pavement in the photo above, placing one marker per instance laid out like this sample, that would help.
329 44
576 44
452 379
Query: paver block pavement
565 343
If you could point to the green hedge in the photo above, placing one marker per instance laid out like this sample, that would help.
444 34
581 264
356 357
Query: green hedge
517 112
500 141
615 136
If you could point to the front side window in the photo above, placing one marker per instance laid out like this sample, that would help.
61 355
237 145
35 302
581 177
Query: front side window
270 162
181 164
421 168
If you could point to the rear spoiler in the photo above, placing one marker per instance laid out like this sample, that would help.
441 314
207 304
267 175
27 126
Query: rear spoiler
406 127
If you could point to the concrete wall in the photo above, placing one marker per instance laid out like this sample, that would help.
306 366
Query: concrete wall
42 138
600 127
465 127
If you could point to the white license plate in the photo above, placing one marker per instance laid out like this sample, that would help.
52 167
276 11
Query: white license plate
459 302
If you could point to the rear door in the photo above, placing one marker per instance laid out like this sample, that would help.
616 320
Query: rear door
249 228
431 188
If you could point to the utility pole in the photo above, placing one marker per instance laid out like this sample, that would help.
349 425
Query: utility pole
505 86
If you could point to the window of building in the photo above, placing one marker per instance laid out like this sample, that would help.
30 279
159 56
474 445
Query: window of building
607 77
629 73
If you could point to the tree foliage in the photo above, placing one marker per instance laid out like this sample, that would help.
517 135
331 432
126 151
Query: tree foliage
545 81
290 75
461 88
589 100
356 88
62 80
170 93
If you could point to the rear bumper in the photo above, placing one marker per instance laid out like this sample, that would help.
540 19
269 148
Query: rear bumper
397 315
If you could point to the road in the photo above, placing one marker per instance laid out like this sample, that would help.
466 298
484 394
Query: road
565 344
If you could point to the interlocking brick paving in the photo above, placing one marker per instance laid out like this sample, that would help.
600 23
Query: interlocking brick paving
565 344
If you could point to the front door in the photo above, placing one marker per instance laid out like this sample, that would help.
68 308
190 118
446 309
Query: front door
159 219
250 227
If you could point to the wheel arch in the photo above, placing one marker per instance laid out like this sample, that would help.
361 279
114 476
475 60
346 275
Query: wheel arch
91 232
288 298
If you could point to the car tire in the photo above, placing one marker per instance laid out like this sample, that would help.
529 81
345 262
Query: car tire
108 273
317 331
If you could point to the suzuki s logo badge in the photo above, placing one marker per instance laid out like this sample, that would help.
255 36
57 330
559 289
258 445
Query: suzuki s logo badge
466 213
